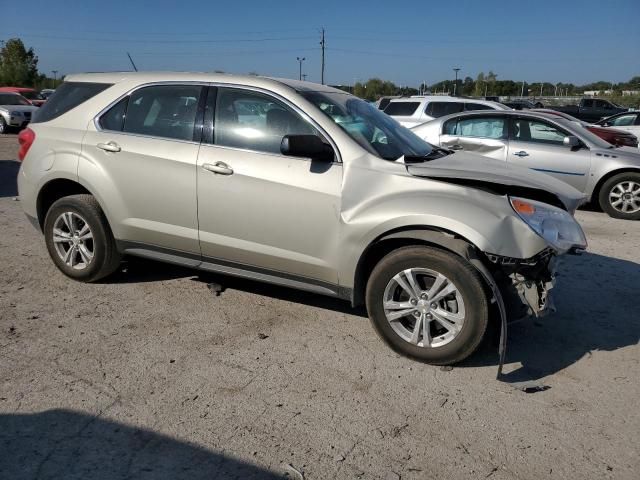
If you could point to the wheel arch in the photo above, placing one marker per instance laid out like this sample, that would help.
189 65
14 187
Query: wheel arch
403 237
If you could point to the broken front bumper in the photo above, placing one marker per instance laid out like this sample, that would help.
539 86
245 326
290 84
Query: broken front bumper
526 284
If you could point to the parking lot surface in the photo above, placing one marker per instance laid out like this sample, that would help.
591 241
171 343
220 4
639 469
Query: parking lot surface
151 375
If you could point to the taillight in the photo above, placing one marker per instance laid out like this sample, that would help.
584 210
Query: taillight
25 138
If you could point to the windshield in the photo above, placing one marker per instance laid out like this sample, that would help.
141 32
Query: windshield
374 130
11 99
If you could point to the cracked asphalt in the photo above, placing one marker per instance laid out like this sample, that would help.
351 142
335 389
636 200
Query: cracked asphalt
151 375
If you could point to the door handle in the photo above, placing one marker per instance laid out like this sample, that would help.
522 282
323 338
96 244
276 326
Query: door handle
521 153
219 167
456 147
109 147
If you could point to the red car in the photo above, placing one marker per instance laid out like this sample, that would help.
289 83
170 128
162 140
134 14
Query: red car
619 138
29 93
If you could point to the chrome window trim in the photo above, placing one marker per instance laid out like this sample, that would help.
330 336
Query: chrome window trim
298 110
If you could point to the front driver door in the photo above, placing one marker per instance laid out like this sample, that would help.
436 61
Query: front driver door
485 136
538 144
257 208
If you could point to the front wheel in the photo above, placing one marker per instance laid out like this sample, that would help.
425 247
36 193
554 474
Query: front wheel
620 196
428 304
3 126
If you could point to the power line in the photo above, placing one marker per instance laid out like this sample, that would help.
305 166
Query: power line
218 40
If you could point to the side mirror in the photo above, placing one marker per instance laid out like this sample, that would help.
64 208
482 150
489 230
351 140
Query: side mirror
307 146
571 141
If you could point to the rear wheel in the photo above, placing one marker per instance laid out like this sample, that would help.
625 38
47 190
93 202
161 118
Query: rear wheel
3 126
79 239
428 304
620 196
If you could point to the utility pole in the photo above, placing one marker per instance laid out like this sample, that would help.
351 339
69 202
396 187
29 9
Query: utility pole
522 90
541 86
300 60
555 92
55 77
455 85
322 45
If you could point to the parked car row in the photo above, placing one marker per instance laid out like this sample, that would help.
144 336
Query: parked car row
414 110
549 143
15 111
32 95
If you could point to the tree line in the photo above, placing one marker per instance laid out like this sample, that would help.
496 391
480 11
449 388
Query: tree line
487 85
19 66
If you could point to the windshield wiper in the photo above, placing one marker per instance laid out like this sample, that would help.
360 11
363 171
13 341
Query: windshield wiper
434 154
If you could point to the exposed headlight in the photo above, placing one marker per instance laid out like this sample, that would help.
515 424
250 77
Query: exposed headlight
556 226
15 113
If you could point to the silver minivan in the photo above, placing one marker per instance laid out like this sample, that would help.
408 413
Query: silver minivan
299 185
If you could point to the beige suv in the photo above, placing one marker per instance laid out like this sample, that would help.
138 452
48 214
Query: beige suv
299 185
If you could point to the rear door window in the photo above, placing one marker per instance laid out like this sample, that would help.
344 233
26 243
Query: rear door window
167 111
440 109
67 97
401 109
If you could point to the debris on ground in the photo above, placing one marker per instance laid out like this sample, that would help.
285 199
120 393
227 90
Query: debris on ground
292 472
215 288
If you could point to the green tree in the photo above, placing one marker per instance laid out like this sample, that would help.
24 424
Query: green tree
480 81
468 86
18 66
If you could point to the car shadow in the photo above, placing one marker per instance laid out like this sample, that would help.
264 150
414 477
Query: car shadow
597 311
596 298
140 270
8 175
69 444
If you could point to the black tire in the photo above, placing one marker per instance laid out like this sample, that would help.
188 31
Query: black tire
106 257
461 273
605 201
3 126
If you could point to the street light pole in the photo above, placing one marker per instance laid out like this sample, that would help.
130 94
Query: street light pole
55 77
300 60
455 85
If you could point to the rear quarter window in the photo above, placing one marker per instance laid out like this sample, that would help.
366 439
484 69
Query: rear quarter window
67 97
403 109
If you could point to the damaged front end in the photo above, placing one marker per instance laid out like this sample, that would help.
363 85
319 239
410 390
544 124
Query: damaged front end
525 284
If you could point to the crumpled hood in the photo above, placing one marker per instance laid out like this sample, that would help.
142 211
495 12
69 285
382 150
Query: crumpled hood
470 169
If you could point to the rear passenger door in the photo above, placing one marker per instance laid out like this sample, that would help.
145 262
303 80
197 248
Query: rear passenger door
143 152
483 135
538 144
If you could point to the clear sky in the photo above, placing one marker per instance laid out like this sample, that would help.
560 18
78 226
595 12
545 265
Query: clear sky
404 41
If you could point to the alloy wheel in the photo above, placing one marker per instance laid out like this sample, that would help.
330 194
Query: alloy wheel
424 307
73 240
625 196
